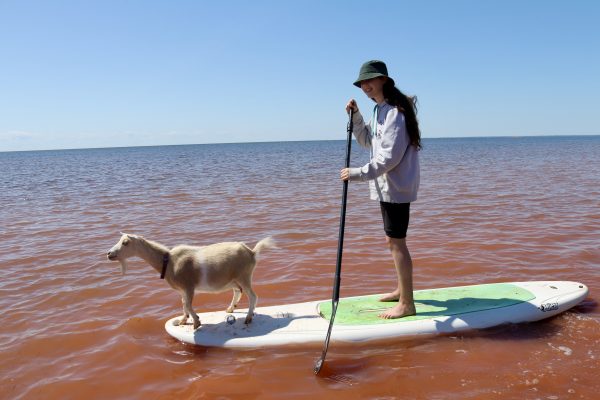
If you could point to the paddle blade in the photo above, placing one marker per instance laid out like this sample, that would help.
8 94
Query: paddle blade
318 366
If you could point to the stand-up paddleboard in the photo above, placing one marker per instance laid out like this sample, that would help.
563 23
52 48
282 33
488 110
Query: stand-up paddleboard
439 311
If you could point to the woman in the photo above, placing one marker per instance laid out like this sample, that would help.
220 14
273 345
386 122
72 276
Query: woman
393 172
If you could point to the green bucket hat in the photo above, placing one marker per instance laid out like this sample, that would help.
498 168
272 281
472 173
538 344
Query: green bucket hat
372 69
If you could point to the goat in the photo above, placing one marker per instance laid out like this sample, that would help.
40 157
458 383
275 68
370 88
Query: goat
209 269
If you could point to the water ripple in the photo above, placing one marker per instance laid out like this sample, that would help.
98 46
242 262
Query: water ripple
489 210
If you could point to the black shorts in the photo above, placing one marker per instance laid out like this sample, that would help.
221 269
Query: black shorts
395 219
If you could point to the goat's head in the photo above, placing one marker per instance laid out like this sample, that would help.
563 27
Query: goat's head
124 249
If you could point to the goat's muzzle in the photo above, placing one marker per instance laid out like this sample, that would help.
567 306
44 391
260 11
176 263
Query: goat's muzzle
111 256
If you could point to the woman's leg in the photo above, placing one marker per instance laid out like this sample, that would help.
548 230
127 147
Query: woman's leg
404 291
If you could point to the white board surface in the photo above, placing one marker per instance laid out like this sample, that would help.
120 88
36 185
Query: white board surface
302 323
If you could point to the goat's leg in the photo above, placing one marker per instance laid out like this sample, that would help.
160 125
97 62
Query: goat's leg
237 295
187 298
247 288
185 315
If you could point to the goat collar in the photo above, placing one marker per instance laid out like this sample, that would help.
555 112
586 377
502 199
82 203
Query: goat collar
165 263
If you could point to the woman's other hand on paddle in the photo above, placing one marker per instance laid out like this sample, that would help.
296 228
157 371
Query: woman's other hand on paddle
345 174
351 106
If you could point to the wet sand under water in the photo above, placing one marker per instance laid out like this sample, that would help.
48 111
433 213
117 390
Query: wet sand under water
490 210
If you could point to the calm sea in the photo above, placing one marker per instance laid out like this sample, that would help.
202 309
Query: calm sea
489 210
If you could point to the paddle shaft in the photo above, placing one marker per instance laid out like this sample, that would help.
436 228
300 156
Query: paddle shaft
338 266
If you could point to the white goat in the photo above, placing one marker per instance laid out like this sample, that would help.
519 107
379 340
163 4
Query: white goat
209 269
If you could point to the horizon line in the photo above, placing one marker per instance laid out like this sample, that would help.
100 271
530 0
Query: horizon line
291 141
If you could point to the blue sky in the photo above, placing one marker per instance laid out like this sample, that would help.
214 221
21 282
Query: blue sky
77 74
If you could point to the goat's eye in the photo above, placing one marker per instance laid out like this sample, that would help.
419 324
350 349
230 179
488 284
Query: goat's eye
125 242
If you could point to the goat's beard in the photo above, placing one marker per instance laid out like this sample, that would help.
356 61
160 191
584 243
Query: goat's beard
123 266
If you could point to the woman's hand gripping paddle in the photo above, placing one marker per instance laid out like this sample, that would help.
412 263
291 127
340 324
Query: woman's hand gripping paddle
338 267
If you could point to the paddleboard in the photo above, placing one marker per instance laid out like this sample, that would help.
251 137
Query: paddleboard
439 311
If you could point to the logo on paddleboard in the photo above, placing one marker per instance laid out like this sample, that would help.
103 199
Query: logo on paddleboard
549 307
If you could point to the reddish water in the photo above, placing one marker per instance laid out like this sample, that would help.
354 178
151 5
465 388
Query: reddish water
490 210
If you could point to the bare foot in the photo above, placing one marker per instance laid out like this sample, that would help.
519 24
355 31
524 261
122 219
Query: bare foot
399 311
394 296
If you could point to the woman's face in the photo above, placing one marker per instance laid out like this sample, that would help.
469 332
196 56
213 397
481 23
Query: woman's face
374 88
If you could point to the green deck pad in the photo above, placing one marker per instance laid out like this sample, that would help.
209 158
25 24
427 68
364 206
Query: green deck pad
431 303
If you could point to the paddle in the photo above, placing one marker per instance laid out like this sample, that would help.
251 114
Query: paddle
338 267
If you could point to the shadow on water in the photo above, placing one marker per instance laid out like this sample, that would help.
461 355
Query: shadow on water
587 306
342 372
523 331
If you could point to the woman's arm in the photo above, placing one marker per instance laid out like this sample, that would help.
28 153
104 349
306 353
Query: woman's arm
362 132
394 142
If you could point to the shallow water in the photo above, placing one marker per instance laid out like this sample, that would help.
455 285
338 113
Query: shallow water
489 210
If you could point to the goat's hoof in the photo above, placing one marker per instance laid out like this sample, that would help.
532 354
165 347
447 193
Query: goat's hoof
248 320
230 310
197 325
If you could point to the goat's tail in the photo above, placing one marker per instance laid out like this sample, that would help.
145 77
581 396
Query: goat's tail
266 243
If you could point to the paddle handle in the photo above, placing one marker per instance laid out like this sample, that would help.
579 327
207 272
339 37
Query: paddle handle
338 265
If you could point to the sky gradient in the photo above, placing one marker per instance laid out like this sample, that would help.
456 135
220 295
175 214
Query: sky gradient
80 74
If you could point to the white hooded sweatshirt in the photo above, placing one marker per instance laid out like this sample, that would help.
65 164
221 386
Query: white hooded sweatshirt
393 172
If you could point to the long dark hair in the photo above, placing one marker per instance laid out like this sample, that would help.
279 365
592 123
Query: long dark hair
407 105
